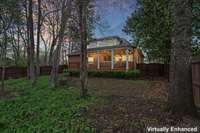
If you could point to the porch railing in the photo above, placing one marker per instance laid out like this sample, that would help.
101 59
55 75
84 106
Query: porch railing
104 66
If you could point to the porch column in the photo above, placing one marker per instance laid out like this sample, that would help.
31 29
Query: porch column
127 54
98 60
112 59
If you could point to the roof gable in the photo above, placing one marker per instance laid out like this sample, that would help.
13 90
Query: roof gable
113 41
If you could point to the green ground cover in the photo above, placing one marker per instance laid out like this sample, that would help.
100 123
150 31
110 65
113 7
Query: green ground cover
43 109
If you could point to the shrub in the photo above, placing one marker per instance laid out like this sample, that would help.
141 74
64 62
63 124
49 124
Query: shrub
133 73
74 73
110 74
66 72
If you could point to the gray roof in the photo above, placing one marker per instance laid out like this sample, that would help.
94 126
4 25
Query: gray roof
122 43
100 44
111 37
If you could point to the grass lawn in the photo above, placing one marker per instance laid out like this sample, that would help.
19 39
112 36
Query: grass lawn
43 109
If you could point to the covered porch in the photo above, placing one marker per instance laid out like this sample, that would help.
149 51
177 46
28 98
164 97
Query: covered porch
113 59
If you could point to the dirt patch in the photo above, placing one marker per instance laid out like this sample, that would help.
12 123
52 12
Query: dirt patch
131 106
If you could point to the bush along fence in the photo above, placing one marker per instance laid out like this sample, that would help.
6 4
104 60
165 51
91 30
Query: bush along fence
143 70
132 74
18 72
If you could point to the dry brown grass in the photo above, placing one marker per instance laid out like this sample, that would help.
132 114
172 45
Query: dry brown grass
131 105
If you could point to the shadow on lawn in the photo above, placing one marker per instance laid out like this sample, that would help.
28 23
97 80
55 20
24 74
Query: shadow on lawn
131 106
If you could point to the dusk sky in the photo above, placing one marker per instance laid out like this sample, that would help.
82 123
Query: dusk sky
114 14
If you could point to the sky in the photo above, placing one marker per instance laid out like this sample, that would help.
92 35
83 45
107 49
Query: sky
113 14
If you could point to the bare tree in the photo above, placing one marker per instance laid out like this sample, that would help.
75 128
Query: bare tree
46 43
38 38
82 7
181 92
8 16
66 8
51 24
3 58
31 45
16 41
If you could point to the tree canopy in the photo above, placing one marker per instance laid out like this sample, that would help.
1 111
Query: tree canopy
196 27
150 27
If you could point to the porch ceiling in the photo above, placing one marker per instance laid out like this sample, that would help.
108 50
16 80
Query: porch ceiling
117 51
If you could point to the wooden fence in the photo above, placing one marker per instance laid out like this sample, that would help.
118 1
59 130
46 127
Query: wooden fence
196 80
163 70
147 70
18 72
154 70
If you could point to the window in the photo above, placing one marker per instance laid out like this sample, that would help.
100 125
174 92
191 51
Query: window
90 60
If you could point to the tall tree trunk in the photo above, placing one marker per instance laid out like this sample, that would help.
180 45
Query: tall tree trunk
31 46
83 38
3 59
38 39
3 77
180 92
54 79
18 47
45 51
25 41
28 37
54 42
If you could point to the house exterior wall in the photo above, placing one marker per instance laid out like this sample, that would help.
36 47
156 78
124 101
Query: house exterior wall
105 59
110 53
74 62
74 58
